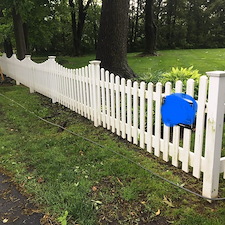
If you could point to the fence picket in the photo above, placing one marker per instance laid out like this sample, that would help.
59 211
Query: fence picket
158 102
135 114
123 109
176 132
142 115
187 132
103 106
112 106
107 100
166 129
129 111
200 122
118 101
87 92
149 117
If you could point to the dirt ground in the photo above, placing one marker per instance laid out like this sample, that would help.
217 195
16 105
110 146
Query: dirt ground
15 208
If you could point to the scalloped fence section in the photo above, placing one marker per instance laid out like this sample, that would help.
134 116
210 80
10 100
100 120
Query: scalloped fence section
133 111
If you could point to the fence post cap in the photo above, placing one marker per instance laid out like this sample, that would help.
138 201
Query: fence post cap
216 73
95 62
52 57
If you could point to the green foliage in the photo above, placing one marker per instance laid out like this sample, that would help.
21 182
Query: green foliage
149 76
63 219
182 74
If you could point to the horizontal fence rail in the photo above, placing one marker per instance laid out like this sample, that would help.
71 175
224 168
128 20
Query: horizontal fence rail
133 111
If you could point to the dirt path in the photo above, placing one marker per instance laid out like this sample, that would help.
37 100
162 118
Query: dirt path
14 207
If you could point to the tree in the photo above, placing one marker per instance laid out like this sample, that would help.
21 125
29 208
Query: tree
136 28
77 27
150 29
19 34
112 40
14 9
5 35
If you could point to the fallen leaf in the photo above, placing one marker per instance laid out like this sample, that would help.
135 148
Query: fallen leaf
40 180
5 220
181 185
119 181
94 188
97 202
81 153
29 178
158 212
168 201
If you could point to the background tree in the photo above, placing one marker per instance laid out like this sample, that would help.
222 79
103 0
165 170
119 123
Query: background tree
112 41
19 34
44 26
150 28
77 27
5 32
136 25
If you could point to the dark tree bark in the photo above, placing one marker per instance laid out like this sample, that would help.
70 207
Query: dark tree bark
78 26
139 3
171 21
150 29
19 34
112 41
8 47
26 37
74 23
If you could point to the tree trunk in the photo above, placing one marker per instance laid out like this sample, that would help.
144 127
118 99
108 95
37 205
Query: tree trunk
74 24
171 20
150 29
77 28
26 37
8 47
19 34
112 41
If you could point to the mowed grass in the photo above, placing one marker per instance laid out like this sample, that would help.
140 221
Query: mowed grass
94 185
203 60
151 67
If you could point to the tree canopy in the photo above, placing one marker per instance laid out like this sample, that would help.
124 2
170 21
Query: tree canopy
71 27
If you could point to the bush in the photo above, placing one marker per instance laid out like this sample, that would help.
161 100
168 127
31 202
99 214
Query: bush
182 74
150 77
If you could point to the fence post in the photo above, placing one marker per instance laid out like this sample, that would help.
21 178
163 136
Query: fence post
214 133
29 69
95 75
52 80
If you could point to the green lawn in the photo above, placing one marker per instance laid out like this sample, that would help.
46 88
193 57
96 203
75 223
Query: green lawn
94 185
202 59
151 66
66 173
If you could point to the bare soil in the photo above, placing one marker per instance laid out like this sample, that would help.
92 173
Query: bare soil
15 208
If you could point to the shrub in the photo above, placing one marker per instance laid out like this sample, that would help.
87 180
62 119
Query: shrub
182 74
150 77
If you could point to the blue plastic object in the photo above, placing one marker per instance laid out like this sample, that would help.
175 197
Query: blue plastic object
177 109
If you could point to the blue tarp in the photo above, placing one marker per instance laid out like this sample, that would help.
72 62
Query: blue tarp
177 109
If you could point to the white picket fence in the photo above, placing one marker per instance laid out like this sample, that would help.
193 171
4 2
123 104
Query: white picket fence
132 111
